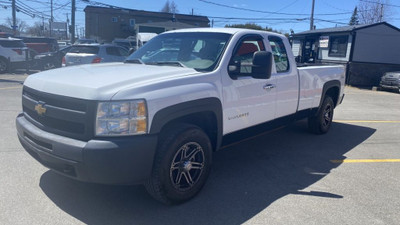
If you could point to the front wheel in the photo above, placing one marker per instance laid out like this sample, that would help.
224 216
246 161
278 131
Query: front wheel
181 166
320 123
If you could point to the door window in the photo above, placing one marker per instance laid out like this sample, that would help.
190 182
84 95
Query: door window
279 53
243 55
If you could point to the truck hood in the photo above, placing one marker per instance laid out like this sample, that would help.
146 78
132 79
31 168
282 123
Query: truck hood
101 81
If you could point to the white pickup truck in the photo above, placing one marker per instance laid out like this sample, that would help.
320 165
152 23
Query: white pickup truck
156 118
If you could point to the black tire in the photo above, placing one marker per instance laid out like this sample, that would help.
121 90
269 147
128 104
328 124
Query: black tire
3 66
48 65
181 165
321 122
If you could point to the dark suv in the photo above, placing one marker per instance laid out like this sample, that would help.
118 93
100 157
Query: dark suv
390 80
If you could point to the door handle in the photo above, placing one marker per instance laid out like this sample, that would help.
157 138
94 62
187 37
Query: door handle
269 86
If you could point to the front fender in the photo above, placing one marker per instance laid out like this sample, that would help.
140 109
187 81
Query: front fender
206 105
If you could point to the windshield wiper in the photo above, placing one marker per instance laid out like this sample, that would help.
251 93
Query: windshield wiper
137 61
172 63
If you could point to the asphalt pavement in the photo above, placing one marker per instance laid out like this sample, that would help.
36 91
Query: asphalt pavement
289 176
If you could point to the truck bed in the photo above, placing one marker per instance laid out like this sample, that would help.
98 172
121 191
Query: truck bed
312 79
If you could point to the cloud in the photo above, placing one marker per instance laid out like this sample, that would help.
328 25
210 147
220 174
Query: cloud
241 5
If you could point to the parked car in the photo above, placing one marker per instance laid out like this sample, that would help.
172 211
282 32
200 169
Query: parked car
62 44
5 35
129 44
85 41
143 38
157 123
50 60
95 53
41 44
390 81
12 54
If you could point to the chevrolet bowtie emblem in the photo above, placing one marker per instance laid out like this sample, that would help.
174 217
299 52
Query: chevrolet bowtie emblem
40 109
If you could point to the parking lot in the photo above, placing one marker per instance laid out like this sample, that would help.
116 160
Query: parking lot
289 176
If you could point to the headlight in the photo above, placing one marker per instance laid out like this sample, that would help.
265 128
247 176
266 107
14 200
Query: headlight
121 118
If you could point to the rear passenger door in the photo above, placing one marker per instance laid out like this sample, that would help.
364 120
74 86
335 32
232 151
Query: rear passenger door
287 80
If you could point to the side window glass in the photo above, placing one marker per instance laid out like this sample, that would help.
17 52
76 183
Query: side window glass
122 52
112 51
242 58
338 46
279 53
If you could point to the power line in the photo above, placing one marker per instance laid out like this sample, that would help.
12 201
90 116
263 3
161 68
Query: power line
331 21
246 18
334 7
269 12
30 11
90 2
380 3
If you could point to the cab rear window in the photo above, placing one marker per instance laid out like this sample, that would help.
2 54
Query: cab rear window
85 49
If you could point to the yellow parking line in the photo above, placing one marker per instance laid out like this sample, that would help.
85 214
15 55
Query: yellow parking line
367 121
364 160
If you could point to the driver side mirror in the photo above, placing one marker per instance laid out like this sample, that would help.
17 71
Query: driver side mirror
262 65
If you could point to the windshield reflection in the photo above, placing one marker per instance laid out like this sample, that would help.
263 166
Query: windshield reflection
200 51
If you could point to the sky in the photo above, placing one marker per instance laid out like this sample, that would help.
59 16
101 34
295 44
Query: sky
281 15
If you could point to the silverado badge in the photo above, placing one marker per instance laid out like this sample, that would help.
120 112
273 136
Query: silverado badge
40 109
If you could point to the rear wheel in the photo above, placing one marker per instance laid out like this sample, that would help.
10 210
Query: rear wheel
181 166
320 123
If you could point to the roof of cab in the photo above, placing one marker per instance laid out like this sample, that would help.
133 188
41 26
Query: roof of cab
222 30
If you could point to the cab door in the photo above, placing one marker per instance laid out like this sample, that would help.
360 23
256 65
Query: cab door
247 101
286 78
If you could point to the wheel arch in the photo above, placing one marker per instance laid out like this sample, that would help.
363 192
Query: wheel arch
205 113
332 89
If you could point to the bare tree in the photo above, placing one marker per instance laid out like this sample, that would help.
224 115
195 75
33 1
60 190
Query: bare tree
174 7
166 7
170 7
21 25
35 30
376 11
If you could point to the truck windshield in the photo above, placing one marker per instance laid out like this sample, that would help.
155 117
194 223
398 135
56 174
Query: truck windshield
200 51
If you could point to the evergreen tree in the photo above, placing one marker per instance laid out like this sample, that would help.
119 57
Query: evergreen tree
354 18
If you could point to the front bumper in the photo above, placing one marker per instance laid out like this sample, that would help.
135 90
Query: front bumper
395 85
121 160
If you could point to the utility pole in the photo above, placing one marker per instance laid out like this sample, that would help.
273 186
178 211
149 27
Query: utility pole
14 18
66 31
312 16
43 27
72 31
381 16
51 18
